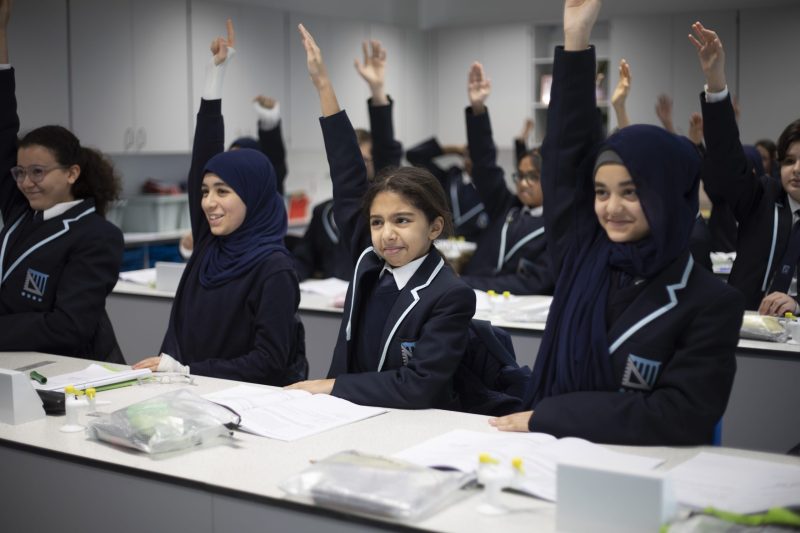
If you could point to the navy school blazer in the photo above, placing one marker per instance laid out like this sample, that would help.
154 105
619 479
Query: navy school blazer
503 262
673 348
426 333
759 204
320 252
53 282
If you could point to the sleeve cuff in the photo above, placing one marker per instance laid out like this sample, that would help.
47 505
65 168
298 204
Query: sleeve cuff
268 118
713 98
215 74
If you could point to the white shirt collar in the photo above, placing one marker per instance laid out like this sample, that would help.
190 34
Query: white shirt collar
403 274
794 206
59 209
534 211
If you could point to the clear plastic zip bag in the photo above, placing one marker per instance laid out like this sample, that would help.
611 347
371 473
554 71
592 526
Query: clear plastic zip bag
377 486
174 421
763 328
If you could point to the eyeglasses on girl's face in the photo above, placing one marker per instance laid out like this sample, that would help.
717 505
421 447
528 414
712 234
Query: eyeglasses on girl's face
526 176
36 173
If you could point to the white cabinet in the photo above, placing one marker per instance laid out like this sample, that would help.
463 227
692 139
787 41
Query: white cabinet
130 74
258 67
37 44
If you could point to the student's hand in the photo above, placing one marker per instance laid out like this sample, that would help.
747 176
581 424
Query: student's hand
527 129
623 87
5 13
696 128
777 304
373 70
479 87
265 101
579 19
220 45
664 112
150 362
314 386
515 422
319 74
711 56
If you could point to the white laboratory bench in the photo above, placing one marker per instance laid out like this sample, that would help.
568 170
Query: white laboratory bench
763 411
55 481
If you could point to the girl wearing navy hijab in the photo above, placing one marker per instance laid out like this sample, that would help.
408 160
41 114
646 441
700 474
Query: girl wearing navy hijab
639 343
234 314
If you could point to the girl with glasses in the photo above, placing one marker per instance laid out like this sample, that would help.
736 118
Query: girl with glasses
59 257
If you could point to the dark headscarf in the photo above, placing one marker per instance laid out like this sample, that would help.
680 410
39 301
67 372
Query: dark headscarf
573 355
250 174
246 142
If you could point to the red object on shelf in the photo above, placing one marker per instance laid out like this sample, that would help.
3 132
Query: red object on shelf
298 206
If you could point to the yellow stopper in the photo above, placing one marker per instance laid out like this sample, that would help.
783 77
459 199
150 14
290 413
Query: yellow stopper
516 464
491 293
90 393
788 314
69 389
486 459
506 294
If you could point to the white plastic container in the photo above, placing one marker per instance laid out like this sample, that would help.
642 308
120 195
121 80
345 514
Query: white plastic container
156 213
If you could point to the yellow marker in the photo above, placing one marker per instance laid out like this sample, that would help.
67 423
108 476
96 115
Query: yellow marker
788 314
491 293
516 464
90 393
486 459
506 294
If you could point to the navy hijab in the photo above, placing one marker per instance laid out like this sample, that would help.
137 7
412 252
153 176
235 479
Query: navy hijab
249 173
573 355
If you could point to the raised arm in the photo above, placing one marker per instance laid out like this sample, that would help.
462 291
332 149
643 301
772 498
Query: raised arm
664 112
488 176
726 171
620 95
10 197
348 172
386 150
209 133
573 134
270 136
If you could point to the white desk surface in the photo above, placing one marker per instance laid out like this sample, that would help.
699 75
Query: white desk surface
256 465
318 303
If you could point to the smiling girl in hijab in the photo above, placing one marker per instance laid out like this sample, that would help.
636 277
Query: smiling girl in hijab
639 343
234 314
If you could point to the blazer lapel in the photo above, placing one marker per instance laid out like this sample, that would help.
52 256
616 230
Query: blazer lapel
407 300
659 297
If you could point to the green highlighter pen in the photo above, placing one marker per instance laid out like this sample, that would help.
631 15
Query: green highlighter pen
38 377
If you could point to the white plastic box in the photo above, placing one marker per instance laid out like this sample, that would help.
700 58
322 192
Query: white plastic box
156 213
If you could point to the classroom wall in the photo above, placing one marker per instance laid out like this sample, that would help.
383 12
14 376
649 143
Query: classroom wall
427 73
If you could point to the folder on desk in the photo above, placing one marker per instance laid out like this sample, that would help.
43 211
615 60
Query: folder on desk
94 375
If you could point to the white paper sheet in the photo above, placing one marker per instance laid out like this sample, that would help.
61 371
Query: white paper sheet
146 276
290 414
94 375
540 454
736 484
331 287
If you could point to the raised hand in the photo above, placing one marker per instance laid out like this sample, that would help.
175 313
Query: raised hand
373 70
478 88
696 128
711 56
579 19
664 112
319 73
221 45
265 101
620 94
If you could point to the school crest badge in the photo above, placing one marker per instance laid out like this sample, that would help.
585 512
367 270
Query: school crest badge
407 351
35 285
640 373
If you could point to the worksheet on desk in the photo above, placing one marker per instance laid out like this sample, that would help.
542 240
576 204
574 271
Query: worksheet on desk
540 454
289 414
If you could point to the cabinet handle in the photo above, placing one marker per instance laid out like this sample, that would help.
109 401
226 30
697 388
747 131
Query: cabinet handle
127 140
141 138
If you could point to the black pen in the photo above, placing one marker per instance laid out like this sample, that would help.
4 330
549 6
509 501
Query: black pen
38 377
